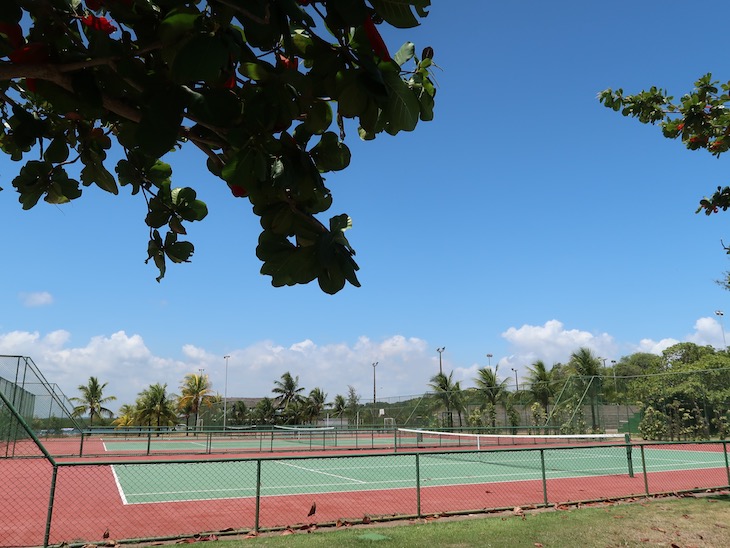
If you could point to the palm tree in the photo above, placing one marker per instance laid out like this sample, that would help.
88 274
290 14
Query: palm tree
588 368
339 406
195 392
156 406
264 412
315 404
92 400
287 390
448 394
295 412
541 385
126 417
238 413
491 390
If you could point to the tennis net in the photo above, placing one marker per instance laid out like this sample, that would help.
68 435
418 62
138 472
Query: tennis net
411 438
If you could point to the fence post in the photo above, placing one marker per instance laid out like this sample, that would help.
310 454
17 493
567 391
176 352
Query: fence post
418 486
627 437
149 441
727 468
49 514
544 477
258 495
643 466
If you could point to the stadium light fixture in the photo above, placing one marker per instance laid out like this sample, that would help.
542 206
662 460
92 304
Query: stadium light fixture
489 357
440 351
517 384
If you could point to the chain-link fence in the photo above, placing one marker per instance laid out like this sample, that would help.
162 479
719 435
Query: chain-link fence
47 501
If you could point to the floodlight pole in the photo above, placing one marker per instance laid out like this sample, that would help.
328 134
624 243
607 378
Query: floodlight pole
375 364
489 357
720 314
440 351
225 395
517 384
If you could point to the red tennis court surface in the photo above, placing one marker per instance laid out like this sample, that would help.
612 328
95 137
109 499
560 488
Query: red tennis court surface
88 498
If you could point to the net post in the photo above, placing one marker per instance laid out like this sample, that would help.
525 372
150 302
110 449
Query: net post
627 438
395 440
81 444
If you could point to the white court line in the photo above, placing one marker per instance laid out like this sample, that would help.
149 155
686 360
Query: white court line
320 472
119 486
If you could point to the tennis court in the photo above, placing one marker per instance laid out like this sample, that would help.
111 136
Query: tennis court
142 483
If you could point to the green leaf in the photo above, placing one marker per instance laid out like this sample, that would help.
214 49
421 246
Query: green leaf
177 25
405 53
403 107
162 115
96 173
399 12
202 58
57 151
319 118
330 154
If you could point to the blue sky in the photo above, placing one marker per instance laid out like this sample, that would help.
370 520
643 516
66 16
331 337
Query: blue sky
525 221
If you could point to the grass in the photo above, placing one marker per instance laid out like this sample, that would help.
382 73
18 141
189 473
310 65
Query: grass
702 521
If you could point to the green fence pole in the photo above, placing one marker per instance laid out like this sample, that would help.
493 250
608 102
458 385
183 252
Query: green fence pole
149 441
258 495
395 439
628 455
49 513
418 486
727 468
544 477
643 466
81 445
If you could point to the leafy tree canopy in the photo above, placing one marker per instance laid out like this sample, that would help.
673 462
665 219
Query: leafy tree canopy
700 119
263 89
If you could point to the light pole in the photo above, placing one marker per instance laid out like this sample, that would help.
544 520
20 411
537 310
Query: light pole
199 419
517 384
489 357
375 364
440 351
720 314
613 366
225 395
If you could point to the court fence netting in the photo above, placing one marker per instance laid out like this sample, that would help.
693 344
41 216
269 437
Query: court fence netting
47 500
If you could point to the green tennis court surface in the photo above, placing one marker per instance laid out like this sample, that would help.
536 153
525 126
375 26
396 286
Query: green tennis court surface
171 482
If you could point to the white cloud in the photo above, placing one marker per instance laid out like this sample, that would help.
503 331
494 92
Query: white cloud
551 343
38 298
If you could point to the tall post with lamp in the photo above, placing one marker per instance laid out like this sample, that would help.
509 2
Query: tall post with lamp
225 395
375 364
720 314
440 351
